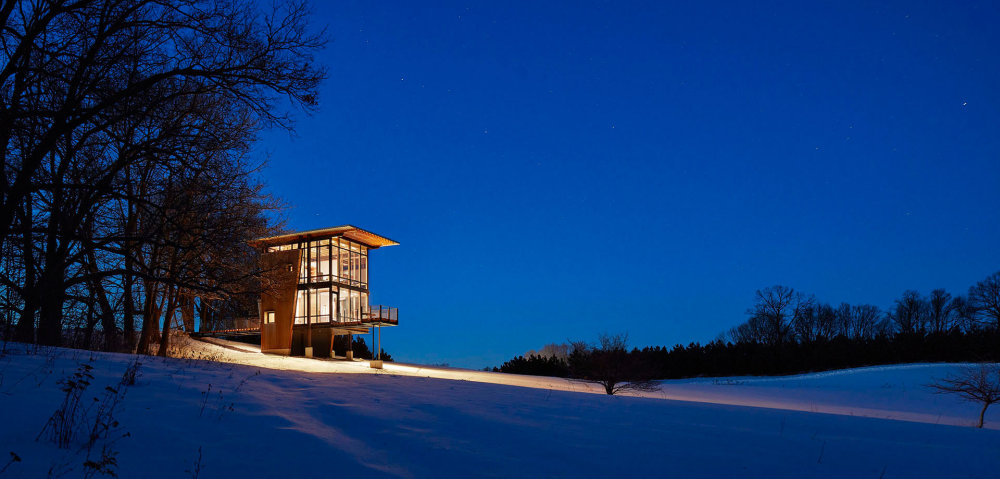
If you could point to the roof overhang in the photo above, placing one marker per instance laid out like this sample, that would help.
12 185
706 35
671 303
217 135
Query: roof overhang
354 233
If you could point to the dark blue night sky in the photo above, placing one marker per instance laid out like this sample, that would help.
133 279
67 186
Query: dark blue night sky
553 171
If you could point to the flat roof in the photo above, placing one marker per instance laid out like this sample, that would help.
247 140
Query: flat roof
351 232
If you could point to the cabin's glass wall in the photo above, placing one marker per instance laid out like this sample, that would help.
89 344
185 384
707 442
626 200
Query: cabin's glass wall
324 304
353 304
338 260
333 275
316 305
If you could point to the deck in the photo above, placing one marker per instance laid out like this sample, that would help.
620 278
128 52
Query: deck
375 316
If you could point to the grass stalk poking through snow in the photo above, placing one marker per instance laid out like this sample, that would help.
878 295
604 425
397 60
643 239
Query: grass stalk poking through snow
62 425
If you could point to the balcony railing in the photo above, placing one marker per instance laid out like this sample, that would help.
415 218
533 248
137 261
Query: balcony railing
375 315
233 325
380 315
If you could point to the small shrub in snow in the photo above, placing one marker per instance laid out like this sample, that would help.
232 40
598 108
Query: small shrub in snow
92 422
62 425
106 465
222 405
132 372
204 400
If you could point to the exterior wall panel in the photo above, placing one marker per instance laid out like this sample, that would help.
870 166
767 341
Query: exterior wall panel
280 280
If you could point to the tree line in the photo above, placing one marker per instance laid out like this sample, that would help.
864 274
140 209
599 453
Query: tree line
789 332
128 188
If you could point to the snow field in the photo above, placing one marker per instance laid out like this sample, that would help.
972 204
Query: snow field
282 417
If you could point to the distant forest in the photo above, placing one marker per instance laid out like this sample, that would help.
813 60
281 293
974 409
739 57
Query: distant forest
790 332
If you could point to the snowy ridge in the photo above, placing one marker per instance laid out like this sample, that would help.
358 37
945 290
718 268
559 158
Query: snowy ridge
274 416
895 392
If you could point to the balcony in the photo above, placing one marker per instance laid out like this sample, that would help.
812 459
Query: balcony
375 315
378 315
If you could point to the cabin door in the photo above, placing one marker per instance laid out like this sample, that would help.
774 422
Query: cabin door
267 330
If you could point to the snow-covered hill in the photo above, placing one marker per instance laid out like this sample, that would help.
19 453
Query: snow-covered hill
283 417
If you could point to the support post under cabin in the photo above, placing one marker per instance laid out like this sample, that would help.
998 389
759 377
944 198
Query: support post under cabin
309 338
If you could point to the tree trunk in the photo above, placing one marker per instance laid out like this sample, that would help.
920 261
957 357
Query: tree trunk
50 312
982 414
128 281
187 311
128 307
91 322
25 329
167 319
107 313
205 316
52 293
150 317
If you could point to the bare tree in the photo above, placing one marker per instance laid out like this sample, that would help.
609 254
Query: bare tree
939 311
984 297
910 313
72 70
777 309
864 321
964 314
807 329
103 103
844 318
979 384
610 364
749 332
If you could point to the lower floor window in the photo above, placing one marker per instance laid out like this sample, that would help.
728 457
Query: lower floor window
331 303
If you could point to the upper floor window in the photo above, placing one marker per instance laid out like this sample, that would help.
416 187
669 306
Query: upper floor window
337 259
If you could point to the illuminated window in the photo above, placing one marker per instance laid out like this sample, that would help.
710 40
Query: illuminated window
268 317
344 304
313 304
304 267
345 266
335 260
355 305
319 305
323 258
355 266
316 256
364 268
300 306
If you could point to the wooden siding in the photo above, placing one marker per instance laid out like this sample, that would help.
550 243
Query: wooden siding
280 280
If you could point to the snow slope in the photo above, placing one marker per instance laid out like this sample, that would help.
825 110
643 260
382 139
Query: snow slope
888 392
282 417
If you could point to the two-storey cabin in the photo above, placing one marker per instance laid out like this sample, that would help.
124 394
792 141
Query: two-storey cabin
315 287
